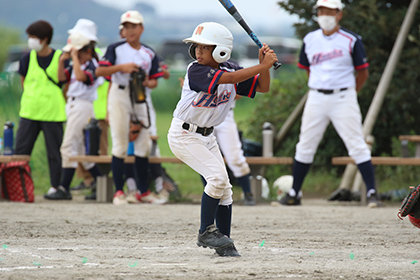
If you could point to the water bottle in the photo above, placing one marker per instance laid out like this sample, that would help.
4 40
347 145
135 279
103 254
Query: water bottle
130 150
8 138
267 139
92 133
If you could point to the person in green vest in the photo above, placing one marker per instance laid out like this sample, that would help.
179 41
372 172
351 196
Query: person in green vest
42 106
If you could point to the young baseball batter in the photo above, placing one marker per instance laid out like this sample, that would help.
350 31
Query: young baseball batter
332 55
80 96
120 60
210 86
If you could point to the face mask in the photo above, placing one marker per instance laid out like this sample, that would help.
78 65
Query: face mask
327 23
35 44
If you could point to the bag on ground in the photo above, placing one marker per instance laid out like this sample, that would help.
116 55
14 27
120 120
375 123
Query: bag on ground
16 181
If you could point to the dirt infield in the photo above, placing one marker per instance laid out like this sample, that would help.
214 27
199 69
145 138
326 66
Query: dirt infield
318 240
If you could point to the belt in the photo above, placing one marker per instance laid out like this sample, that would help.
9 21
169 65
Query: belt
330 91
205 131
121 86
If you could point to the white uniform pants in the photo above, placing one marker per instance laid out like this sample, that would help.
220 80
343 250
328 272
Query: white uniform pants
119 112
342 109
230 144
202 154
79 112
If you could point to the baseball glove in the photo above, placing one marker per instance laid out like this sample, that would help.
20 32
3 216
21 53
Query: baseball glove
411 205
137 89
135 128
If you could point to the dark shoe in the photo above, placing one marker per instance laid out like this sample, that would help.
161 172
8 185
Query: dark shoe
228 251
374 201
289 200
213 238
60 194
249 199
79 187
92 196
340 195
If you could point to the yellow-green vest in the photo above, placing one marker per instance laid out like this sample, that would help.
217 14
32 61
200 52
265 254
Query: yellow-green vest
100 104
42 100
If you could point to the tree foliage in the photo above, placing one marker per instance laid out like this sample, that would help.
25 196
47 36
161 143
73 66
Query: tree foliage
9 37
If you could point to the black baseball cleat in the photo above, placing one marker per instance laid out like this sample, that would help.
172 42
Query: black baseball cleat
213 238
249 199
60 194
374 201
228 251
289 200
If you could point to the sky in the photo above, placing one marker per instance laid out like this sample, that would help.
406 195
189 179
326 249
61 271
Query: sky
256 13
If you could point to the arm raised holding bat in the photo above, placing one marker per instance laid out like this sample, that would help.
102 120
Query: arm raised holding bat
267 58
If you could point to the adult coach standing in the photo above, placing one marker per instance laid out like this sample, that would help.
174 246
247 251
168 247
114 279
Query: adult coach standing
332 55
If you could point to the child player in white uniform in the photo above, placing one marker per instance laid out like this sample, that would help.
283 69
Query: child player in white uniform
120 60
79 108
208 92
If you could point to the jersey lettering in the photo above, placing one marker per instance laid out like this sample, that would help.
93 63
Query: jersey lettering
321 57
212 100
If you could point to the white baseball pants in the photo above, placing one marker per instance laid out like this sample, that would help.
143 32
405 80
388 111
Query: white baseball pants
202 154
79 112
119 111
343 111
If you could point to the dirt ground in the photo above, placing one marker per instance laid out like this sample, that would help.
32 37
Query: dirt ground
318 240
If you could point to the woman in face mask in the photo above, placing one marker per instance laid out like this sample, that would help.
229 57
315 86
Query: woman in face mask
42 106
338 68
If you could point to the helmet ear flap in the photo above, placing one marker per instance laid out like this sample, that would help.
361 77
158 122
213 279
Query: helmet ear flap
191 51
221 54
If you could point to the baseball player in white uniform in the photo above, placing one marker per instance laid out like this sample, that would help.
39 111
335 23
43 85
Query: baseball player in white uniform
210 86
332 55
79 108
121 59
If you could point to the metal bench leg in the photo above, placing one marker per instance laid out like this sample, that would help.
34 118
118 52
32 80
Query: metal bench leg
104 189
256 187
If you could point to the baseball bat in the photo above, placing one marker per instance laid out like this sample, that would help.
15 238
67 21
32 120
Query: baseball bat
228 5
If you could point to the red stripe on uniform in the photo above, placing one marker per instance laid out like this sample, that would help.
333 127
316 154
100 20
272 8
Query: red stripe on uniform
253 85
105 63
363 66
218 73
302 66
157 75
351 40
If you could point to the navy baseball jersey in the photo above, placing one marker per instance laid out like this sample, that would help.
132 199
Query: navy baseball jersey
204 102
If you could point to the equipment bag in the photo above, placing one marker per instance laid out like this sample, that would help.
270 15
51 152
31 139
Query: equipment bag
16 181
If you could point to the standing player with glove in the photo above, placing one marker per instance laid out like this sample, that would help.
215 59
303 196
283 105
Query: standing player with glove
208 92
120 60
332 55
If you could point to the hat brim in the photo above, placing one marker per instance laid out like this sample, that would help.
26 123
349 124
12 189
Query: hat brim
201 41
132 21
328 6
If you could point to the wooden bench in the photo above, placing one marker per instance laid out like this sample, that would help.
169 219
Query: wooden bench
104 184
379 161
7 158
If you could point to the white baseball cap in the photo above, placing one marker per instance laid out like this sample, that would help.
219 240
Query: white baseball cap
85 27
133 17
77 41
332 4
